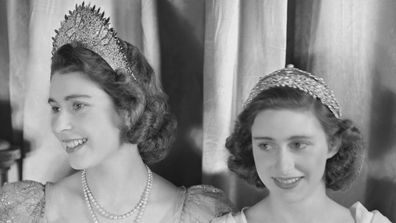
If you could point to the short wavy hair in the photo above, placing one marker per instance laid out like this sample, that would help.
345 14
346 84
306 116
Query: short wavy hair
340 170
142 103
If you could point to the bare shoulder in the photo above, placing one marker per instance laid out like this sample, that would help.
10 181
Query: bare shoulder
163 191
258 212
339 213
63 193
70 184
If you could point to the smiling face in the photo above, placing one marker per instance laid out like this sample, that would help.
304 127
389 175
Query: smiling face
290 151
83 119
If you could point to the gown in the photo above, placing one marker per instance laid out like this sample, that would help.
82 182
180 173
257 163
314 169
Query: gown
25 202
358 211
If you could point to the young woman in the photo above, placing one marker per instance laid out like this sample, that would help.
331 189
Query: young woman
291 139
112 119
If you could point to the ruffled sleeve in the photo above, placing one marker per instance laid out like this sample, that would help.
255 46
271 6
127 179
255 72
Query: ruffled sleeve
203 203
362 215
22 201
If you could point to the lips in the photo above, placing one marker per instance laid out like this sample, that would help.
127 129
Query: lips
73 145
286 182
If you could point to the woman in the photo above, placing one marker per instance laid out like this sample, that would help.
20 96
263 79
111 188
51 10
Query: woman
111 118
290 138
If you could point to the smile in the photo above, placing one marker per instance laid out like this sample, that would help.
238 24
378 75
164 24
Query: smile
73 145
287 182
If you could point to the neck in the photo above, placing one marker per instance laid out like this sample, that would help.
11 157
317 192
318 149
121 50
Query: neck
310 209
123 173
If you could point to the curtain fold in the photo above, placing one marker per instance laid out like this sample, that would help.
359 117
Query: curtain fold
243 41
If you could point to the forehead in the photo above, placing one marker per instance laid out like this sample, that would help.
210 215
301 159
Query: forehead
284 123
73 83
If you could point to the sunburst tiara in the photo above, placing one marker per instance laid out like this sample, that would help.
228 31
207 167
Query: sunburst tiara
298 79
87 26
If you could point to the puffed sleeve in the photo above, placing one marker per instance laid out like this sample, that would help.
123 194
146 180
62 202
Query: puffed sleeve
22 201
362 215
203 203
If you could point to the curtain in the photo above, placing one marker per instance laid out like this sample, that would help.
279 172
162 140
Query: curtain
243 40
208 54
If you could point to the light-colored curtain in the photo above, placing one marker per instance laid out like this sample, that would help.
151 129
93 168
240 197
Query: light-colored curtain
243 41
31 25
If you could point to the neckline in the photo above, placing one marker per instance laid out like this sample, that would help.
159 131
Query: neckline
354 210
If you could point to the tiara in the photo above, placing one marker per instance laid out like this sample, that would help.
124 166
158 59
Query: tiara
298 79
88 27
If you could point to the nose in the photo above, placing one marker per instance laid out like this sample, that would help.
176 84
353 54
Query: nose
285 161
61 122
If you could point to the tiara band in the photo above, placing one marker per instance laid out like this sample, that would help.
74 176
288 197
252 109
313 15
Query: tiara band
88 27
298 79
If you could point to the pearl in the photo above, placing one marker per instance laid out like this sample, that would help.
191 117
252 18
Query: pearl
93 205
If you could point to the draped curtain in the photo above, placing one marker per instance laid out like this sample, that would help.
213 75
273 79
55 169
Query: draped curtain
243 41
208 54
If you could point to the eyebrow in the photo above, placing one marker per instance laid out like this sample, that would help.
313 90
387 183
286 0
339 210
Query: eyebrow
70 97
262 138
300 137
290 138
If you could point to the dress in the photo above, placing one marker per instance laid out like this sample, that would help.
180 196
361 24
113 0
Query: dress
358 211
25 201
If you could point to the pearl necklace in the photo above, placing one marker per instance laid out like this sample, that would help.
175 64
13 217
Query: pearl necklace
139 207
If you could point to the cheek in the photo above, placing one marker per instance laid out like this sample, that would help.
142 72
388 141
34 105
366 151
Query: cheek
314 163
263 163
52 123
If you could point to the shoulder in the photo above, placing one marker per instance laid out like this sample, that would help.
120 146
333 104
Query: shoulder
204 202
22 201
361 214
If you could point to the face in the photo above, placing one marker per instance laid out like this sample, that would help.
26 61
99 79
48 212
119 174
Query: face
290 150
83 119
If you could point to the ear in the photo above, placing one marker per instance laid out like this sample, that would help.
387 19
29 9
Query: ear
334 147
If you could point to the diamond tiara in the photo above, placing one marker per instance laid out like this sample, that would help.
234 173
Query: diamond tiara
298 79
86 26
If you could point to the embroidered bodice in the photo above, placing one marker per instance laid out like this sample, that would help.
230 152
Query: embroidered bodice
25 201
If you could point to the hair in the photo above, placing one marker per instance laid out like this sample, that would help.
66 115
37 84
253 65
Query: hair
340 170
143 104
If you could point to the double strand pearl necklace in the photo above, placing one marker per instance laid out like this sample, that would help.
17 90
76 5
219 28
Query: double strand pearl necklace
93 204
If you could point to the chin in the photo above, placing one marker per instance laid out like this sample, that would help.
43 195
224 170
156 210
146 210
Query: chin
290 198
78 164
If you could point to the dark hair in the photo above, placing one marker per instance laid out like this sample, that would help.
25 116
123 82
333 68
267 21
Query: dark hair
341 169
149 123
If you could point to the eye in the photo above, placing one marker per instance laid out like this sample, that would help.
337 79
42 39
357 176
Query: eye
264 146
298 145
55 109
77 106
